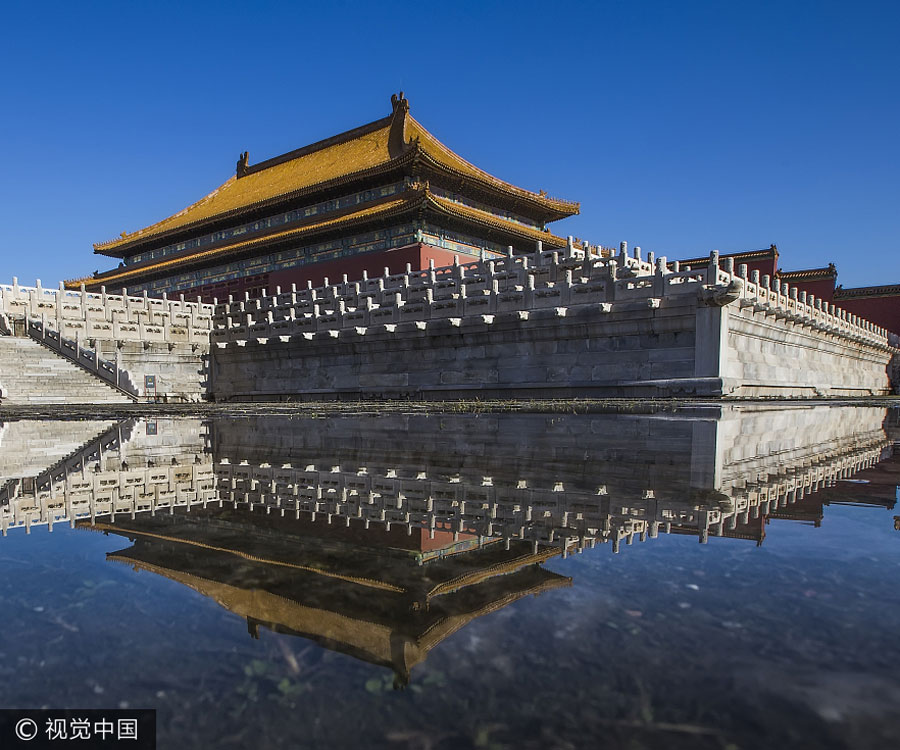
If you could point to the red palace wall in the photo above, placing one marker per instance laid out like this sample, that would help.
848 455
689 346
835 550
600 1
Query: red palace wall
883 311
822 288
766 267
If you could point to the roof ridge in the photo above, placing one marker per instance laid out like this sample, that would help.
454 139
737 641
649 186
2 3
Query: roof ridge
347 135
747 253
829 270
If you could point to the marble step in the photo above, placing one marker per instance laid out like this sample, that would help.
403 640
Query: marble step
31 374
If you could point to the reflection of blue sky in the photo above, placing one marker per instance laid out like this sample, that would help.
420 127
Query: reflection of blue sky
846 533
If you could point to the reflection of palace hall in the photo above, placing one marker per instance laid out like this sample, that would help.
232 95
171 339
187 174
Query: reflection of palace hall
382 536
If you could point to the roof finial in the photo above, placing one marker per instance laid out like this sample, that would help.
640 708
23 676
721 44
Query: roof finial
399 102
242 163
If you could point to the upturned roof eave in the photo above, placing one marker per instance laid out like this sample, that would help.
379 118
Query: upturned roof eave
488 221
547 209
433 149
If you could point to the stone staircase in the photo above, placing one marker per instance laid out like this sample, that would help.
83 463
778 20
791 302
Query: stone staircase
32 374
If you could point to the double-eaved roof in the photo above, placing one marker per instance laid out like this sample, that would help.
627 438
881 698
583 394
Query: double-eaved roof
417 198
393 144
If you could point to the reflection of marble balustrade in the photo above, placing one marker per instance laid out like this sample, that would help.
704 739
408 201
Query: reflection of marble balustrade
109 494
32 448
571 481
128 469
565 518
561 481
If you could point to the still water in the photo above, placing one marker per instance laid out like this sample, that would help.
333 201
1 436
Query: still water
722 577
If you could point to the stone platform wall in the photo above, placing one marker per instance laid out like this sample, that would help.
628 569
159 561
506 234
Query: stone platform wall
774 351
547 325
543 325
584 353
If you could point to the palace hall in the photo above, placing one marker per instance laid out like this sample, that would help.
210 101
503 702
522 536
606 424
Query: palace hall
383 195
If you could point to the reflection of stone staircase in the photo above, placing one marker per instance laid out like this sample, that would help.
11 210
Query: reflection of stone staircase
32 374
32 447
78 443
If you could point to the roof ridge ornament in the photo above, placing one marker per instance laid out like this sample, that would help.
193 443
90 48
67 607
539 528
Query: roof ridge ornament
421 186
397 139
399 102
242 164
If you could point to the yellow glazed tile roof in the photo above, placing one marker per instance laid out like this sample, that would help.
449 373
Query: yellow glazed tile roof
355 155
368 582
371 148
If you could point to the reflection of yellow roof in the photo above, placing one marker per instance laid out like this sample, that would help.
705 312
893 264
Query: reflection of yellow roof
370 637
503 567
465 579
410 200
369 582
373 148
373 640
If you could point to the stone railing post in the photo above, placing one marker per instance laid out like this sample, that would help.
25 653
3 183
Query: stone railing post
612 270
60 292
712 269
659 277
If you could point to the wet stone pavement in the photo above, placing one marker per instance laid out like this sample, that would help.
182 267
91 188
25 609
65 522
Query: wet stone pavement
720 576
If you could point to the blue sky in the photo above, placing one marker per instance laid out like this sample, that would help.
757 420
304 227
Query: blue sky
679 126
